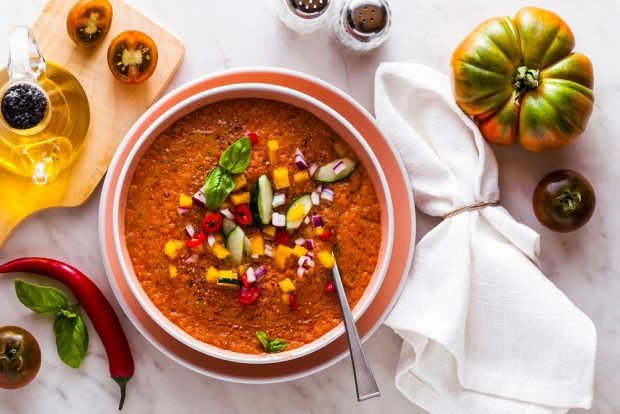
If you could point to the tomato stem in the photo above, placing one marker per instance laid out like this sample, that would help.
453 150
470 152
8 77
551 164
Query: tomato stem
569 200
526 79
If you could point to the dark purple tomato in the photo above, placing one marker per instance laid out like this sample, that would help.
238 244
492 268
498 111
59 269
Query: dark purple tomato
20 357
564 200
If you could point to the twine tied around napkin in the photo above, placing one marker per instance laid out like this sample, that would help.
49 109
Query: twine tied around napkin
484 330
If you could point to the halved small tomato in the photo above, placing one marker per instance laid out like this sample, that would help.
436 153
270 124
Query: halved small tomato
89 21
132 57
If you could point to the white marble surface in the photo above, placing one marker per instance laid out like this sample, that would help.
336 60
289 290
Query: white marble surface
224 34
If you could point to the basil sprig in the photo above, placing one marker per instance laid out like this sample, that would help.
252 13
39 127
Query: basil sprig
271 346
69 327
220 183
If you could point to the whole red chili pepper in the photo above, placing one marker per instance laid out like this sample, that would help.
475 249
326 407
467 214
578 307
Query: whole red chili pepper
97 307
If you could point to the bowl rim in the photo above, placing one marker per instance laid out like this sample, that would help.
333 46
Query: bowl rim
171 115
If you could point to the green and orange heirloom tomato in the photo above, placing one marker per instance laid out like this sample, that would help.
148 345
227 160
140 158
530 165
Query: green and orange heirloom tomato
520 80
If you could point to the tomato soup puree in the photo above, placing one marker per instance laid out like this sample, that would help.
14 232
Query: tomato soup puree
231 219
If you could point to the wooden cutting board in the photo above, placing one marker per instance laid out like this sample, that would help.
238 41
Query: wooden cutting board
114 108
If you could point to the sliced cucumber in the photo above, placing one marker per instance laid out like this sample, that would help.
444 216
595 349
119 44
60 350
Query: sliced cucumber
247 245
234 244
305 201
228 225
326 173
261 201
228 282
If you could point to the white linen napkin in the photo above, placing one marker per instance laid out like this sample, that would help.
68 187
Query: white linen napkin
484 330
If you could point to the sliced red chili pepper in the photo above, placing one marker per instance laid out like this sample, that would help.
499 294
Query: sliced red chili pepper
253 137
249 295
244 280
283 237
242 214
292 301
212 222
325 235
197 240
330 287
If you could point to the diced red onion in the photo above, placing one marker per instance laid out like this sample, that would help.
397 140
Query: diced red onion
211 239
300 271
278 200
339 167
192 259
199 197
268 250
302 260
316 198
278 220
306 220
300 241
317 221
309 263
260 272
254 256
189 229
300 160
310 244
310 255
182 210
228 214
327 194
251 275
319 189
312 169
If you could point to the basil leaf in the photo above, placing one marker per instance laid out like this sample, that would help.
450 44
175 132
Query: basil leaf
263 338
71 339
219 184
276 345
40 299
237 157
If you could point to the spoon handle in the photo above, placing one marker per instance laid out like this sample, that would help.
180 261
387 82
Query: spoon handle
365 383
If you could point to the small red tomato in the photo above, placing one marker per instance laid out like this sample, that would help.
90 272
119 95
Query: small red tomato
243 215
197 240
292 300
249 295
212 223
253 137
330 287
325 235
20 357
564 200
283 237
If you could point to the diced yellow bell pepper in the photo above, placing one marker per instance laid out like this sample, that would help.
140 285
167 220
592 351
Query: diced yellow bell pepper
270 231
280 261
299 251
242 269
172 248
286 298
318 231
273 157
258 245
301 177
326 259
240 182
220 251
284 251
228 274
212 275
225 204
296 213
185 201
280 178
273 145
287 285
240 198
172 271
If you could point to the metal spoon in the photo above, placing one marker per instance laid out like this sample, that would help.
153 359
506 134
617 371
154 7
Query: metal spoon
365 383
